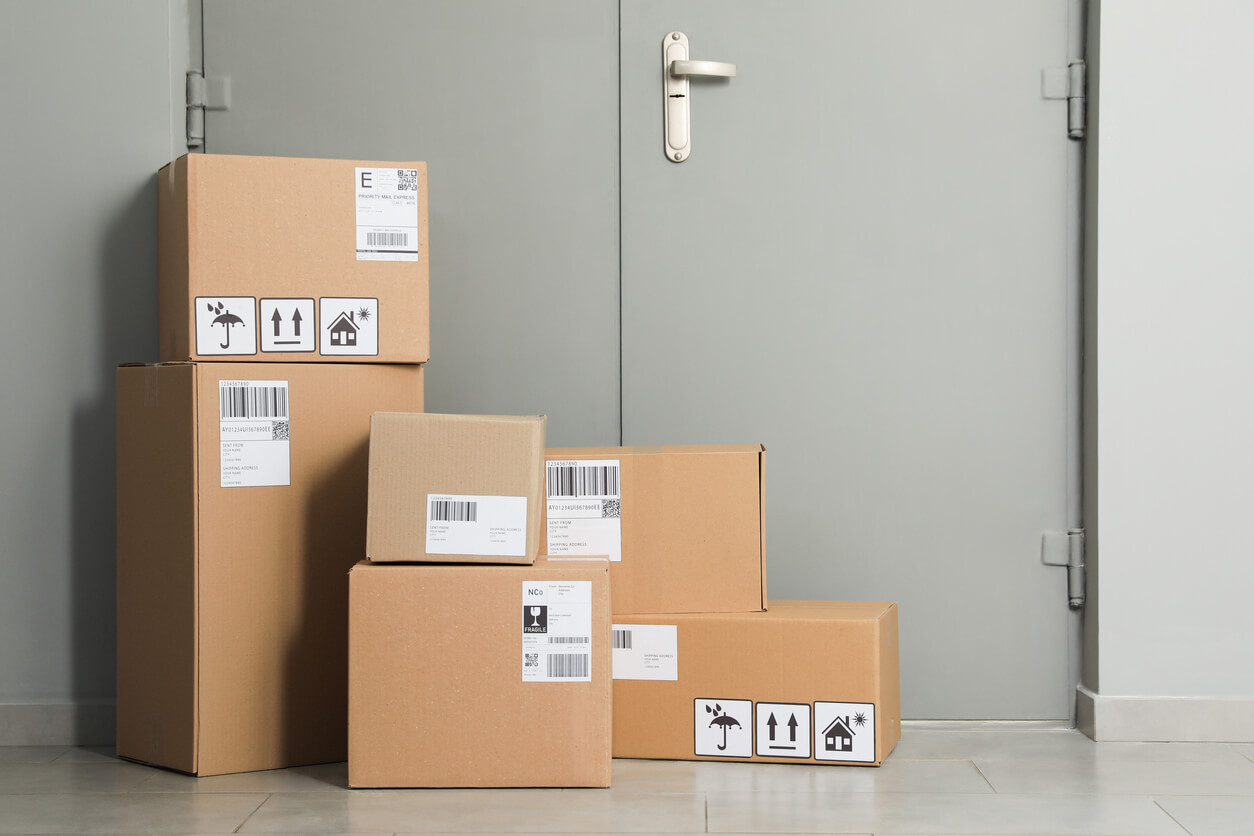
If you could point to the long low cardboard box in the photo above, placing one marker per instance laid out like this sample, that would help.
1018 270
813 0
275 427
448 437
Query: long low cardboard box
480 676
241 494
803 682
684 525
281 259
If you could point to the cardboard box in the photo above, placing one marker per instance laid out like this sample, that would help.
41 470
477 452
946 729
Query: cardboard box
804 682
455 488
479 676
684 525
241 494
276 259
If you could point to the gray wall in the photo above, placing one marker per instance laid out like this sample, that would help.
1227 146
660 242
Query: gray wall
85 105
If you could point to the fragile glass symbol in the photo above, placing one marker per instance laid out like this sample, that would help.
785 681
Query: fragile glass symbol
535 617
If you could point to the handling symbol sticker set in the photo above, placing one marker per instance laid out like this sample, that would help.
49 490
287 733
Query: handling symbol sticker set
825 731
332 326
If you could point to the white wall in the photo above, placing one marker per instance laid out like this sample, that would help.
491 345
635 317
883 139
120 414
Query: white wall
1174 371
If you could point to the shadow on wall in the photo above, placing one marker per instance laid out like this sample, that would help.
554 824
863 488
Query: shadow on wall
126 333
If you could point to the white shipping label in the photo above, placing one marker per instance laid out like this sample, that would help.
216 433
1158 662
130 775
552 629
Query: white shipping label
480 525
584 507
557 631
254 428
844 731
387 214
226 325
646 651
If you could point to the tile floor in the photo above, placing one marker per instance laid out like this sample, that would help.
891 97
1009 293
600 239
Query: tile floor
942 779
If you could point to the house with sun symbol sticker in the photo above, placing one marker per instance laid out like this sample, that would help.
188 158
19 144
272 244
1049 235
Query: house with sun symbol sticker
839 734
344 329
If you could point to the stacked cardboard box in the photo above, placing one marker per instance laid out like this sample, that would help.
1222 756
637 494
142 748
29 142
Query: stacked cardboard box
508 596
293 305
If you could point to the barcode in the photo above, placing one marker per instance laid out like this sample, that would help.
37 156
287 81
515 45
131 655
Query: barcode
582 480
569 639
622 640
387 239
447 510
252 401
572 665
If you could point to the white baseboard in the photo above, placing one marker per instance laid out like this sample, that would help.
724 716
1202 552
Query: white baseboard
58 724
1164 719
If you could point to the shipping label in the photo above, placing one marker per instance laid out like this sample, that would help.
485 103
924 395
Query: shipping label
584 507
646 651
479 525
387 214
557 631
254 431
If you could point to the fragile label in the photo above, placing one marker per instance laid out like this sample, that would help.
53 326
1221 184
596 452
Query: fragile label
387 214
584 509
646 651
557 631
479 525
254 431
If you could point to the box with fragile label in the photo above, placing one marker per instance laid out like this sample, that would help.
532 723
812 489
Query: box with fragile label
455 488
684 526
803 682
293 260
479 676
241 492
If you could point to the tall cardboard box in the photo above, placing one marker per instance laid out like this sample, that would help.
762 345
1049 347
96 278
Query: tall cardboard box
280 259
804 682
241 507
455 488
684 526
479 676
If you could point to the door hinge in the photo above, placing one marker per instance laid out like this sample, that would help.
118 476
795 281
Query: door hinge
1070 83
204 94
1066 548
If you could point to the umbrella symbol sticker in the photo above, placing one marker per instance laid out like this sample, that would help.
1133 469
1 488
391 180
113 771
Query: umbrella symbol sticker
722 719
226 319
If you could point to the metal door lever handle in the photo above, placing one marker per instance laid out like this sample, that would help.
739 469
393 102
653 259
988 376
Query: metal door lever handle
712 68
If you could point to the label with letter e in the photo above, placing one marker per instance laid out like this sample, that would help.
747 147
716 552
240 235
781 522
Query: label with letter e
646 651
557 631
387 214
479 525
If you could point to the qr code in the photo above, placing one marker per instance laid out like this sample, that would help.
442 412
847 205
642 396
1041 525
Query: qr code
407 179
280 431
531 660
611 508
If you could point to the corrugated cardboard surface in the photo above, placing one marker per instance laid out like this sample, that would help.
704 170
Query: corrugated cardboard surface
279 227
436 696
232 602
796 652
412 456
693 527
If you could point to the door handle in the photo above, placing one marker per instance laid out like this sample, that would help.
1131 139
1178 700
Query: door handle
677 68
710 68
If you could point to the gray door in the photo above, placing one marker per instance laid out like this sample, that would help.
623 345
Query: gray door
522 157
862 265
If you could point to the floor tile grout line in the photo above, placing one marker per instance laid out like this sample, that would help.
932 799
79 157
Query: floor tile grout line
985 777
253 813
1173 818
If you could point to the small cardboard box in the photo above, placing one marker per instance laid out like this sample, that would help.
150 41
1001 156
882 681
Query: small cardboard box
804 682
685 526
479 676
276 259
241 491
455 488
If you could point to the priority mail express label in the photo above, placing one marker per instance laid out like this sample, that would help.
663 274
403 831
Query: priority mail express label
557 631
254 431
387 214
584 510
